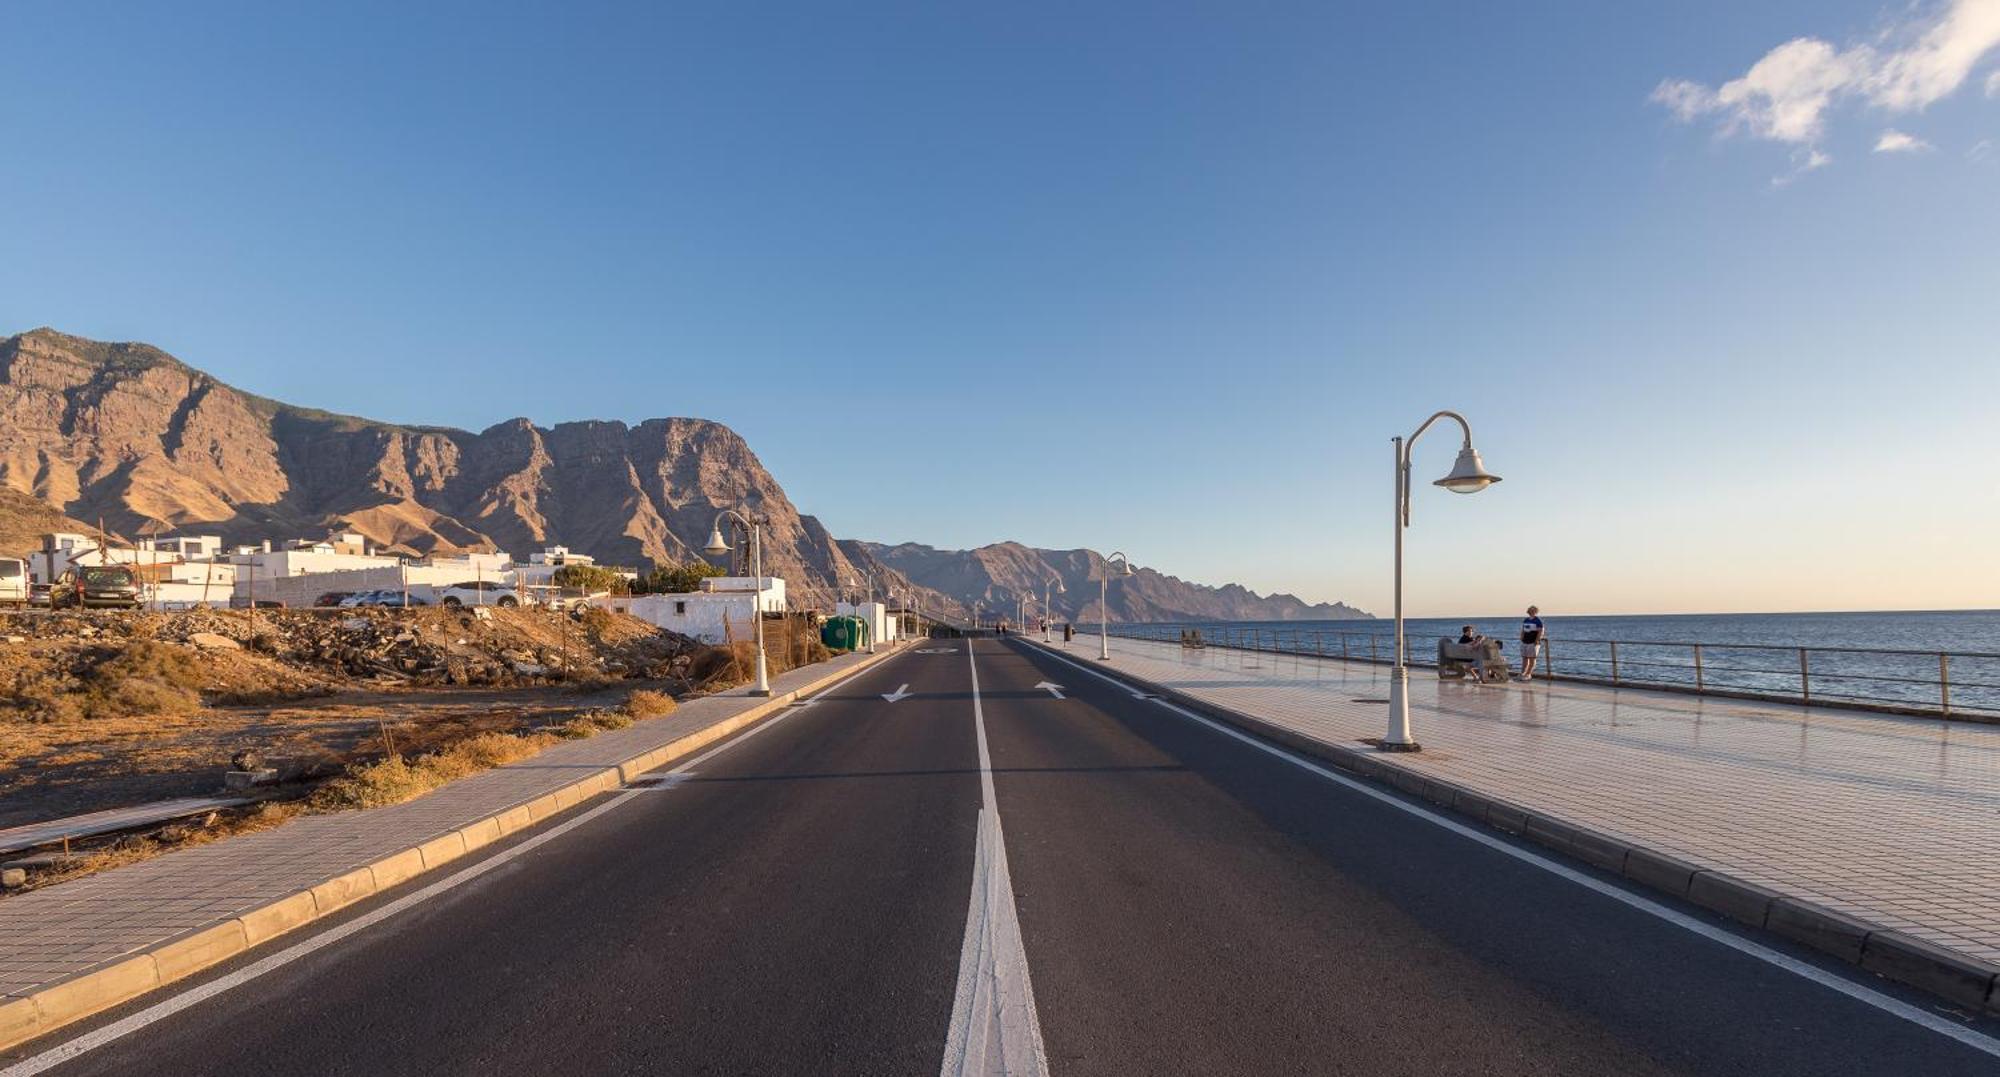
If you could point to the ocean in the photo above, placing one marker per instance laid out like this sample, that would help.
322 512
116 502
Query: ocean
1919 660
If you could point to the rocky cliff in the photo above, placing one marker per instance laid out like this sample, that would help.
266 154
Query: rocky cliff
128 434
1000 574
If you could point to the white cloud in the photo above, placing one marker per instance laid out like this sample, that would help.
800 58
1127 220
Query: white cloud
1894 141
1803 161
1980 150
1786 95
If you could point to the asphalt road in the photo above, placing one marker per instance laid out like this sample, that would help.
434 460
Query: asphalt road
1187 902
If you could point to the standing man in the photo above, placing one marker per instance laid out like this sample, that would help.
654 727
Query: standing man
1531 642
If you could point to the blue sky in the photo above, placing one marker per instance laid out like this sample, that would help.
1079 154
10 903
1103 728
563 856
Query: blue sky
1162 278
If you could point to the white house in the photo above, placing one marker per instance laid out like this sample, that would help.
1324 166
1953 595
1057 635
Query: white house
725 608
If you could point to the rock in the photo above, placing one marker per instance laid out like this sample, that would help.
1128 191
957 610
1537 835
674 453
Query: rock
209 641
12 878
530 669
17 639
247 759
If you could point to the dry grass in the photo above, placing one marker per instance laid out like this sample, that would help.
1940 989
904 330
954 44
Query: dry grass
395 780
647 703
132 678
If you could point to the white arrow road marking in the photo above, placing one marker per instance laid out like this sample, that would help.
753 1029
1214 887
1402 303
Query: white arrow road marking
1053 689
898 694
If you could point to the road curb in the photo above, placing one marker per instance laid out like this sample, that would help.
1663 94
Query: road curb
51 1006
1961 980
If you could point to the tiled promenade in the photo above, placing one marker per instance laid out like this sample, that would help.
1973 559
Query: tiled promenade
53 934
1893 820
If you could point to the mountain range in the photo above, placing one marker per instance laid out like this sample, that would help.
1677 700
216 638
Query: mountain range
128 435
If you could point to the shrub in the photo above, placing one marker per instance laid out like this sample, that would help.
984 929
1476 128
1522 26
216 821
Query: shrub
647 703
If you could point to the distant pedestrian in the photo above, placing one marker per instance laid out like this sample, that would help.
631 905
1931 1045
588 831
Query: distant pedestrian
1532 634
1069 630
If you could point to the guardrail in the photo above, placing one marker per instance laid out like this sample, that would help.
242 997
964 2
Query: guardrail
1951 684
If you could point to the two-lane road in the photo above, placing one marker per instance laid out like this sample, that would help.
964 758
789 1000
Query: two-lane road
804 900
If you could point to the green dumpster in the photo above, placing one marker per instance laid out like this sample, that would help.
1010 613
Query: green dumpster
844 633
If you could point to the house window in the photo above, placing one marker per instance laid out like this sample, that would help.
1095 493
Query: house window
680 609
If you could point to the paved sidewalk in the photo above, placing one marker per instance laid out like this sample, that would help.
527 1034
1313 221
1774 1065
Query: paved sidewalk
1892 820
61 933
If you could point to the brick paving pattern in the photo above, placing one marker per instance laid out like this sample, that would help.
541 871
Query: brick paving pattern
1892 820
55 933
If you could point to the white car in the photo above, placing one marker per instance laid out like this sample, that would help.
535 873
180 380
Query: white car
13 582
477 593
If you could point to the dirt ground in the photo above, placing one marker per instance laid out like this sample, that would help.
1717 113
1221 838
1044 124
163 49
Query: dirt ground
51 770
108 709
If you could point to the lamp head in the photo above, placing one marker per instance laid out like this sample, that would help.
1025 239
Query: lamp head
715 543
1468 475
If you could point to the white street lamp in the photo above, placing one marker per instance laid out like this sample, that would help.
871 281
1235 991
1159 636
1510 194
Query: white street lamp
1056 581
1103 600
1468 476
755 525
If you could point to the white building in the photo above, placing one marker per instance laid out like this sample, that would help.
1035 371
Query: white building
725 608
882 625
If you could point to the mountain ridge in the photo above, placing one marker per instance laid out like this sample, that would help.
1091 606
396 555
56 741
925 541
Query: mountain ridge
130 434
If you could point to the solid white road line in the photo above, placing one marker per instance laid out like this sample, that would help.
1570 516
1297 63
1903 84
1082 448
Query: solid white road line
994 1029
1917 1015
125 1026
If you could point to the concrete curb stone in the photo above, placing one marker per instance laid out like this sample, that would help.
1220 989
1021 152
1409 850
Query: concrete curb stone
42 1010
1887 953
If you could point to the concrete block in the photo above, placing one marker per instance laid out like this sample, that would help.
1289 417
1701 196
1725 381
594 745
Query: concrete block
1659 871
441 850
1821 929
1506 817
483 832
1599 850
19 1020
198 951
245 779
278 917
81 996
1933 968
395 868
343 890
1472 804
514 819
1545 831
544 807
1731 897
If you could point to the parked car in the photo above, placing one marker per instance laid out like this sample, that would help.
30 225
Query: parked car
96 587
242 602
332 598
13 582
478 593
390 598
38 594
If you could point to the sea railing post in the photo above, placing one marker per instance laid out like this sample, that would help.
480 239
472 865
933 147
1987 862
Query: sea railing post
1944 682
1343 646
1698 684
1548 659
1372 656
1805 679
1614 661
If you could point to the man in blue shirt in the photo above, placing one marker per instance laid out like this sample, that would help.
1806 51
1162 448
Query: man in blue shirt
1531 642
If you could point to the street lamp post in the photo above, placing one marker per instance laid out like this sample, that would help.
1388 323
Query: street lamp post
755 525
1056 582
977 605
1468 476
1103 603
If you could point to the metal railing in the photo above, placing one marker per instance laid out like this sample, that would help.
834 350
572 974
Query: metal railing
1953 684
